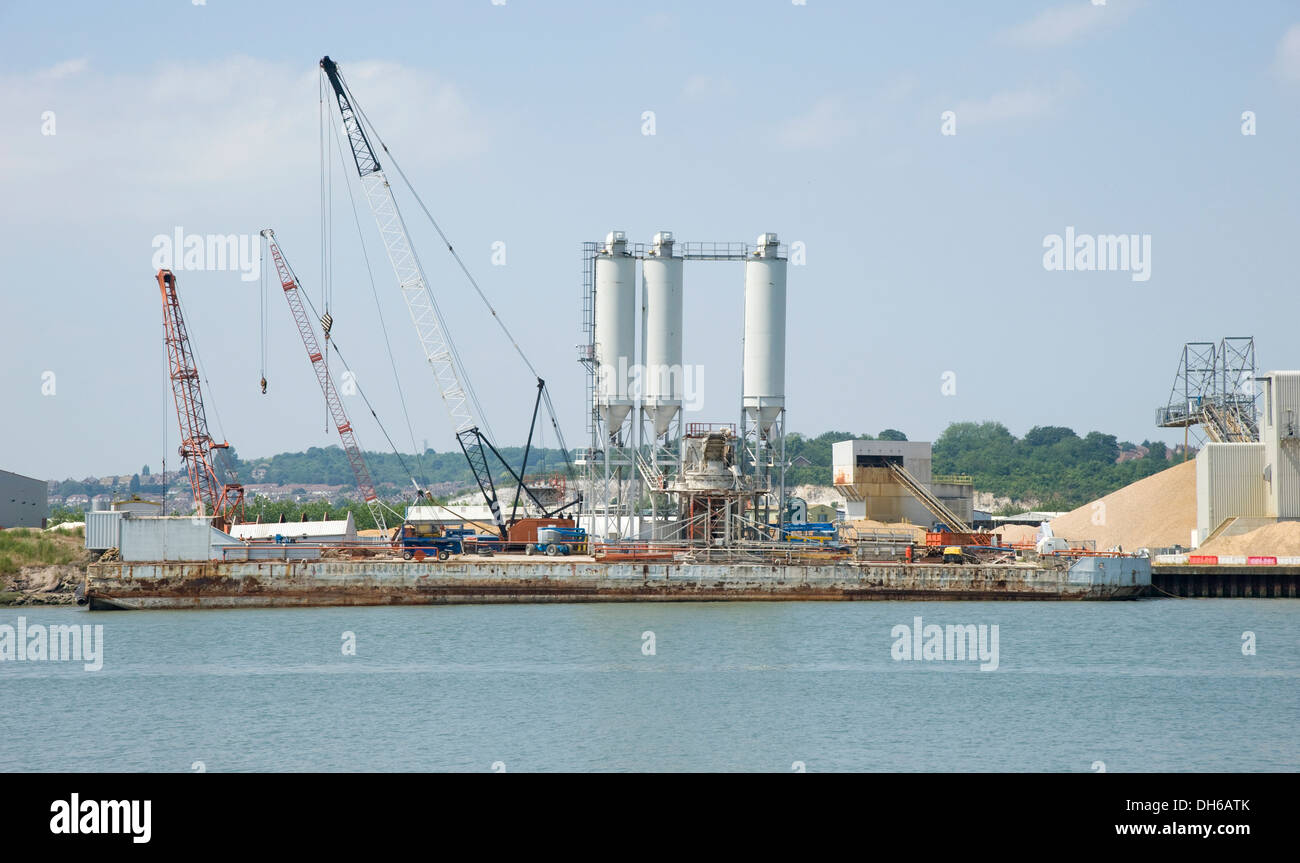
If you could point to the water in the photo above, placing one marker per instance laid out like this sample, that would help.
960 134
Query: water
1156 685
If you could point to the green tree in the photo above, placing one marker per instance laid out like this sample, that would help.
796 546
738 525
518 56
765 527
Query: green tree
60 514
1051 464
1048 435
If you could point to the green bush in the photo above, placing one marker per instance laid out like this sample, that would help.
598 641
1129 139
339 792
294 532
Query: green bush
21 547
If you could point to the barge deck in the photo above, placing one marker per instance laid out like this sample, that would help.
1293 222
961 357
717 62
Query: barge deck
520 579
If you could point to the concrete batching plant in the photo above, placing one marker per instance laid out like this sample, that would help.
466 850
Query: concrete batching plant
645 466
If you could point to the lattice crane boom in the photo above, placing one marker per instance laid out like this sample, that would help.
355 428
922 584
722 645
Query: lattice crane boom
438 349
357 461
214 495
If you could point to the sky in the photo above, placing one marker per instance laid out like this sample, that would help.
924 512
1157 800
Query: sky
922 154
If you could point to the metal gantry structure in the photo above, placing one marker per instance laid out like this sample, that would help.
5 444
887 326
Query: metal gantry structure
216 490
1214 389
293 295
435 341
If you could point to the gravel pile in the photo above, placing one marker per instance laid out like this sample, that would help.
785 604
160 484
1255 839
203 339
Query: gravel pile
1155 512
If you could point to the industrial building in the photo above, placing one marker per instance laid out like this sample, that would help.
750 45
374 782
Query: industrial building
891 481
1243 485
24 500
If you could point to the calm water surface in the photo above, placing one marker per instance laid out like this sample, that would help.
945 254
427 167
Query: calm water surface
1157 685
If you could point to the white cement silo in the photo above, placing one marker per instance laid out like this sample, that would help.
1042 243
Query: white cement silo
763 385
615 334
663 379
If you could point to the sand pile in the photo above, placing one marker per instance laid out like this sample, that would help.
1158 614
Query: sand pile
1151 513
1281 539
1017 533
864 525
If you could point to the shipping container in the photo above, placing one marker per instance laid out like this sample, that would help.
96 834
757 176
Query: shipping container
934 539
103 530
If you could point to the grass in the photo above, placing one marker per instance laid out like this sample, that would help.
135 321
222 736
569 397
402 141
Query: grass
21 547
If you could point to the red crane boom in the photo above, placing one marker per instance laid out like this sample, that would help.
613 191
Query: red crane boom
213 495
293 293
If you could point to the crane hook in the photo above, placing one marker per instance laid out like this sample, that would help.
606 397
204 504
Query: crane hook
263 385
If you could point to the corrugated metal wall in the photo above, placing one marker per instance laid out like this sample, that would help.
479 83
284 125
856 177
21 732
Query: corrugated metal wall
1229 483
1281 434
1287 464
103 530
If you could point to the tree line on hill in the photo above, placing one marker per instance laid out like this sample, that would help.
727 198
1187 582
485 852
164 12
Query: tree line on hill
1051 467
329 465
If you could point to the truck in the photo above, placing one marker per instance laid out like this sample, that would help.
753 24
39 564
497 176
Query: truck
554 541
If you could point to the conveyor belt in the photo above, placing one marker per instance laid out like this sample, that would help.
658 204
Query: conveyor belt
932 503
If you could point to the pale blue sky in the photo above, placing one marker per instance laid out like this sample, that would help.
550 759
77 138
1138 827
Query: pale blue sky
522 123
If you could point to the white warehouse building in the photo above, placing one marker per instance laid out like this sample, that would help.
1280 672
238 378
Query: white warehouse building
1243 486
